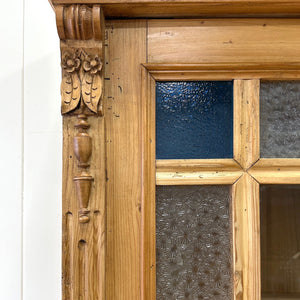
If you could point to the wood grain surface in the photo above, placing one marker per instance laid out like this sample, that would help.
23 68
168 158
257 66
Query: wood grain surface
126 49
246 239
84 244
246 122
224 40
224 71
198 171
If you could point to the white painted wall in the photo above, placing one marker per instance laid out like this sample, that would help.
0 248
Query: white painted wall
30 152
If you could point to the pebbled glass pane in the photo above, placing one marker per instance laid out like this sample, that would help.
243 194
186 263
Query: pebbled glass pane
280 241
280 119
194 119
193 242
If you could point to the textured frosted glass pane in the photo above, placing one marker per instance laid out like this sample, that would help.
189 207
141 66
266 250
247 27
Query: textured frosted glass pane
194 119
193 242
280 241
280 119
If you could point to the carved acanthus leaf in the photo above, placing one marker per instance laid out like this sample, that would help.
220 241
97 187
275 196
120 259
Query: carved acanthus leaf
70 92
91 91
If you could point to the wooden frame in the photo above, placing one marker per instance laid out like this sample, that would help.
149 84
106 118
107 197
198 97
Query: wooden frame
244 172
109 167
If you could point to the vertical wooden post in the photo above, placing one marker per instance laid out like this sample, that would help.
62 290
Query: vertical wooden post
246 122
245 195
246 229
81 30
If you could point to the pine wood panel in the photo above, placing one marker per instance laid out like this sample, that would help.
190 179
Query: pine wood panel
246 122
277 171
126 49
246 239
224 40
205 171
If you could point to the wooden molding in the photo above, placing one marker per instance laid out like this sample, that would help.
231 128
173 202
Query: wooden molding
148 250
192 8
276 171
198 171
224 71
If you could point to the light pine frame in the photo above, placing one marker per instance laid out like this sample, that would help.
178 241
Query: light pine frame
109 167
245 172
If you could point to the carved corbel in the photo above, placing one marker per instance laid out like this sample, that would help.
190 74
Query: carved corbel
80 22
80 28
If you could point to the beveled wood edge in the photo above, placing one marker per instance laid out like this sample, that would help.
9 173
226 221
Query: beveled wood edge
224 71
197 171
148 241
198 178
191 8
276 171
196 165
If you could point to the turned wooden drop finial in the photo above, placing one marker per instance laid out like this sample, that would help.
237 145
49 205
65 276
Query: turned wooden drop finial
83 181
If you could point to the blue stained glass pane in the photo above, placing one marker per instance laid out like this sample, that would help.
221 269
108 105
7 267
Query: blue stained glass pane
194 119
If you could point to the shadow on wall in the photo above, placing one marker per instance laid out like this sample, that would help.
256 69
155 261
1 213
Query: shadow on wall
42 178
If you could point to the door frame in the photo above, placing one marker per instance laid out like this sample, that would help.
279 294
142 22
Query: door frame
109 168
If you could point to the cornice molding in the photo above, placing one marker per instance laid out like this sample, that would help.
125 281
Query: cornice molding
190 8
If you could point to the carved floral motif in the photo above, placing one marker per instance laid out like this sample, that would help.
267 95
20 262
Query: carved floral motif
81 80
70 62
92 64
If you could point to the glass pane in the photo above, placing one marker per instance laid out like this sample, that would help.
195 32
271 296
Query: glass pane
194 119
193 242
280 241
280 119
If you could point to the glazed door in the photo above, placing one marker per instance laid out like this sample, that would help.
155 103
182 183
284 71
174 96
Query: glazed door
164 240
179 201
